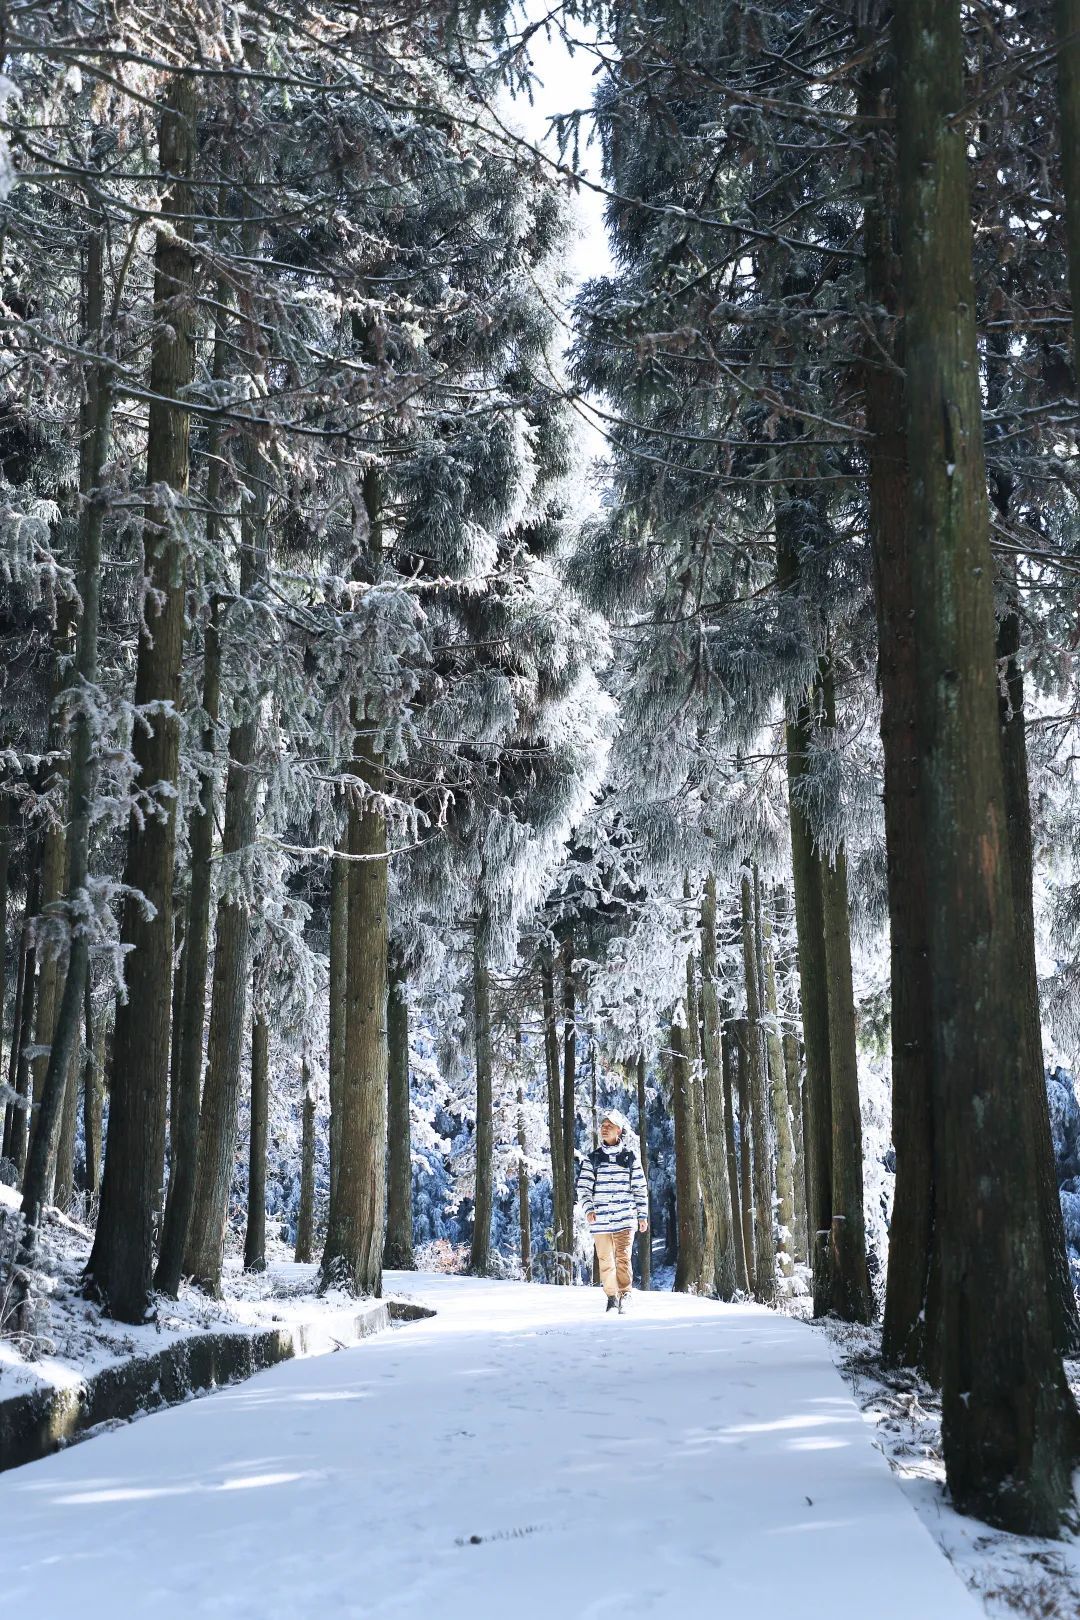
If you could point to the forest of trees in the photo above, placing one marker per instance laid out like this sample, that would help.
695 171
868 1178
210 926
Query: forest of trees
377 768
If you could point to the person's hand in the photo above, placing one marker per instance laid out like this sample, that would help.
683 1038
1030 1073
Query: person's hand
591 1216
643 1226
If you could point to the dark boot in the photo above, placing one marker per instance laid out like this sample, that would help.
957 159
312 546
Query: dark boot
613 1303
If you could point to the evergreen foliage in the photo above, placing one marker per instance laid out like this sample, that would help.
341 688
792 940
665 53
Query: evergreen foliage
367 757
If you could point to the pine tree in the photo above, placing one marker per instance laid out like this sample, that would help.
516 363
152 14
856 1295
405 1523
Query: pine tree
121 1263
1009 1424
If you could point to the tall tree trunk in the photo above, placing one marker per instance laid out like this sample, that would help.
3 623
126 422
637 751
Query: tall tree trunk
255 1235
1014 758
398 1251
19 1068
339 950
52 970
729 1057
64 1186
354 1240
671 1227
187 1070
59 1077
778 1097
1067 14
524 1214
232 968
743 1038
793 1075
645 1244
480 1254
5 861
206 1201
180 910
907 1328
190 1019
562 1197
1021 859
688 1266
13 1124
121 1262
705 1281
1010 1431
849 1285
93 1097
722 1257
764 1277
305 1220
569 1061
707 1214
806 867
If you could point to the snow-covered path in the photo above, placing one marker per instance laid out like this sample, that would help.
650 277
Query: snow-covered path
519 1455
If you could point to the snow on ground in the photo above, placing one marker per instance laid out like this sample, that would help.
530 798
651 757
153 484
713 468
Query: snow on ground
71 1339
519 1454
1012 1575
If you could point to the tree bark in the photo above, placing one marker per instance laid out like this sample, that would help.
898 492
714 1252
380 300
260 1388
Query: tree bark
58 1087
305 1220
849 1285
1067 13
729 1057
1014 758
64 1184
722 1257
17 1122
644 1243
907 1329
255 1235
813 971
746 1185
1010 1431
339 949
93 1098
1021 862
793 1074
176 1024
569 1062
121 1262
398 1251
688 1265
561 1195
756 1139
11 1110
52 968
189 1023
778 1097
354 1241
524 1213
480 1254
187 1070
704 1282
5 861
216 1149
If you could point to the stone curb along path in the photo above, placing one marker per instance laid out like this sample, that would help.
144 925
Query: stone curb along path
41 1421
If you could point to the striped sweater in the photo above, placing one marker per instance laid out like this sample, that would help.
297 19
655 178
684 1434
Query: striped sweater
611 1182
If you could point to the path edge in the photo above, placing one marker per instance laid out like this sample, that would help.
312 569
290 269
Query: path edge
40 1422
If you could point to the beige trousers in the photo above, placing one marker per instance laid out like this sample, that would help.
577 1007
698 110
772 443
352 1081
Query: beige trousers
613 1255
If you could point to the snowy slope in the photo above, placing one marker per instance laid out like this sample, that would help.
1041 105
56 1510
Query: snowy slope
73 1340
519 1455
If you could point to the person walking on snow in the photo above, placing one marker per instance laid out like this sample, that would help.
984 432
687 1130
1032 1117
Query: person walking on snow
611 1190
